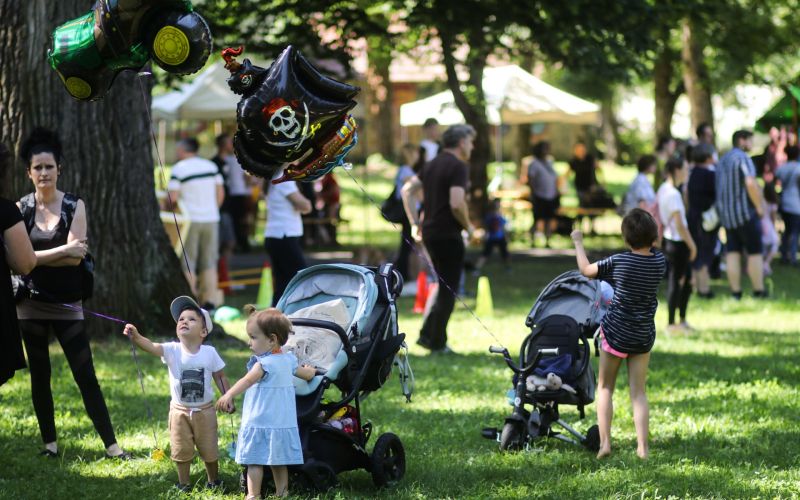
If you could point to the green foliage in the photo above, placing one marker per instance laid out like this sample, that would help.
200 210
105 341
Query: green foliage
741 37
632 144
320 29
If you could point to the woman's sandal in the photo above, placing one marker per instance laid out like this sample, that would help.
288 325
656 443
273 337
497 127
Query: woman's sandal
48 453
124 456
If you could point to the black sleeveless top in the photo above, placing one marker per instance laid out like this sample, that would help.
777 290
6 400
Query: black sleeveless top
54 283
11 356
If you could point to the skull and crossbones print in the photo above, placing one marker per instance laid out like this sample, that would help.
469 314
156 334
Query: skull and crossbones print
284 121
284 118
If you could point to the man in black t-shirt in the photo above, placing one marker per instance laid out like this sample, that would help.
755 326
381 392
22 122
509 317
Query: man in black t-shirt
443 185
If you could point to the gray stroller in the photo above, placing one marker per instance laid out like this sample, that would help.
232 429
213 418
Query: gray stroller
563 319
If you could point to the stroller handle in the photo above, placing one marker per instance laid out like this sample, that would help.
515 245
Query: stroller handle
523 369
506 356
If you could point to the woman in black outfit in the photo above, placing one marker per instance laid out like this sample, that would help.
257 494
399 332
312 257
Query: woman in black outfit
702 195
56 225
16 254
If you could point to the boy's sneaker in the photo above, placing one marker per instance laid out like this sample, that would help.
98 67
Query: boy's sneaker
215 485
760 294
736 295
183 488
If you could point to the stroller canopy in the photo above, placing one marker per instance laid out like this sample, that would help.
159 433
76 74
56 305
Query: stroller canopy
571 294
354 285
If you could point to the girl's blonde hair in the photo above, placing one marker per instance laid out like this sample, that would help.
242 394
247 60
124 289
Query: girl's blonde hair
270 321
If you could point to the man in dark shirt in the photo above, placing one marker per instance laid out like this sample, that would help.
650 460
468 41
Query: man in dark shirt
443 185
582 166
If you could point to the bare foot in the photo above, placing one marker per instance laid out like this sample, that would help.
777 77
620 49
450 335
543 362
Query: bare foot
604 452
642 453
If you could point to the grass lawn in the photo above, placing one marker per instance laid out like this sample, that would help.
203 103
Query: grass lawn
724 402
724 406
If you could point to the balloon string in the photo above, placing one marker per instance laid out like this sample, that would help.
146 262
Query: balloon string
133 351
93 313
230 415
144 395
161 170
177 230
423 254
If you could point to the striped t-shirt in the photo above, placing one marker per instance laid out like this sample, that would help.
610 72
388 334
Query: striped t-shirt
628 325
733 204
197 179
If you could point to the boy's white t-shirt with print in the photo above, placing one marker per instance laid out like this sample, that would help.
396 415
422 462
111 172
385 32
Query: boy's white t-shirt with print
190 374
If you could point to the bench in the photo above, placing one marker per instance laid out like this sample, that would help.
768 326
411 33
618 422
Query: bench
582 214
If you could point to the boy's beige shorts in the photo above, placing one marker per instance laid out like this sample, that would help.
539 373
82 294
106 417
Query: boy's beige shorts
190 428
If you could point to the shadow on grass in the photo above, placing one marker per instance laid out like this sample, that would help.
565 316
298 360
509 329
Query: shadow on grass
691 370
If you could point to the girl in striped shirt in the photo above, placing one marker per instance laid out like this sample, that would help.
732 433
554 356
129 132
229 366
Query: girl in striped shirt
627 331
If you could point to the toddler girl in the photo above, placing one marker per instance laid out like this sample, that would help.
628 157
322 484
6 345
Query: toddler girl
627 331
268 435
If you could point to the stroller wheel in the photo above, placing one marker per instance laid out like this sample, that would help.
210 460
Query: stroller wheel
512 437
592 440
388 460
316 476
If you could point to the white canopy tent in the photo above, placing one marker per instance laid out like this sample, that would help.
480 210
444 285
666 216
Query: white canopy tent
206 97
513 96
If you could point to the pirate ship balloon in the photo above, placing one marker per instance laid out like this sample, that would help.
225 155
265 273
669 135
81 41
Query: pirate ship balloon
290 115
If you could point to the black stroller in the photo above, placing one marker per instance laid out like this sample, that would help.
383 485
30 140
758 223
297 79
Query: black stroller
563 320
345 324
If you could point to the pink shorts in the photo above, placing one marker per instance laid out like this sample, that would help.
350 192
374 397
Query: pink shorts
606 347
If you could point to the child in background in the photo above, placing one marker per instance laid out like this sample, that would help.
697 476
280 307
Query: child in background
769 236
268 435
192 419
627 331
494 225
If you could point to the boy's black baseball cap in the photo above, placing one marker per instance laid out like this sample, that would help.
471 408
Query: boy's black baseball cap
180 303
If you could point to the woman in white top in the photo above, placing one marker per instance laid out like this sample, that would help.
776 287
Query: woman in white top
283 232
404 172
679 247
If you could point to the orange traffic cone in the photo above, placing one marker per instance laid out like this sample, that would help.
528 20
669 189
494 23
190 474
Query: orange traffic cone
222 271
422 292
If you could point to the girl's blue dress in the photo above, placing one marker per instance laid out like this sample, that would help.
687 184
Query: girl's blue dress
269 435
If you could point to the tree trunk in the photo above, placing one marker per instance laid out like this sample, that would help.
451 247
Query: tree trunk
107 161
474 110
381 109
665 96
695 76
610 129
